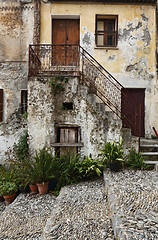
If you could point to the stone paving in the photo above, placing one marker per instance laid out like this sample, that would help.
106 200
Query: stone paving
133 201
85 210
80 212
26 217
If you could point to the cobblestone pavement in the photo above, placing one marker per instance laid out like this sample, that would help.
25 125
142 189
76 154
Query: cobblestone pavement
80 212
133 200
26 217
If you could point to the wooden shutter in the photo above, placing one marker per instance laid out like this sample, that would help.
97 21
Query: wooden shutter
68 135
1 105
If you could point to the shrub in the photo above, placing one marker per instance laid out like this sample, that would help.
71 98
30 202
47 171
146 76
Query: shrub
136 160
112 152
8 188
91 167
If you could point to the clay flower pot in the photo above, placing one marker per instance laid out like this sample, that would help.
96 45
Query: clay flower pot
9 199
33 188
42 188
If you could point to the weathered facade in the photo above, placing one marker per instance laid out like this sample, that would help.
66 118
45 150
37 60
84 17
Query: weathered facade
121 37
16 27
73 102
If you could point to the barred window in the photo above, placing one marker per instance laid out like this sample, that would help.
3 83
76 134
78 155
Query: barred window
106 30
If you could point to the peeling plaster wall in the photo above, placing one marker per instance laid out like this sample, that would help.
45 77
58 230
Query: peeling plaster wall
44 111
133 61
16 28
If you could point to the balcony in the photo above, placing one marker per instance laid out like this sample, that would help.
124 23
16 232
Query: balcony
47 60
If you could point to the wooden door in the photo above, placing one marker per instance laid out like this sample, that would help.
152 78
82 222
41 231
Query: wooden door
68 136
132 106
65 32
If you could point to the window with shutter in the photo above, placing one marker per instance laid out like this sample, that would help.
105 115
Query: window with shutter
106 30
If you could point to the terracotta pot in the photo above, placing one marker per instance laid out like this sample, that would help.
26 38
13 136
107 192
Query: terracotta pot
9 199
33 188
42 188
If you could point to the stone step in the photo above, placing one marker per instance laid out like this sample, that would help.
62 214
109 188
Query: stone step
144 141
151 162
150 154
149 148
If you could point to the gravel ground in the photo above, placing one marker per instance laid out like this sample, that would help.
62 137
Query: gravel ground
80 212
26 217
133 200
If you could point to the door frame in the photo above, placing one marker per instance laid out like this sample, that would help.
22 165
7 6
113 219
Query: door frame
141 130
77 17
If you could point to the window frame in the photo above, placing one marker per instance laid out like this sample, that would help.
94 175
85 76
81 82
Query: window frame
105 19
23 107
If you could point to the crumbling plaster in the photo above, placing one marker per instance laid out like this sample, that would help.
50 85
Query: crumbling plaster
45 110
16 27
133 61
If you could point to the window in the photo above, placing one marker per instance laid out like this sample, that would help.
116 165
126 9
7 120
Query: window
1 105
23 101
67 139
106 30
68 106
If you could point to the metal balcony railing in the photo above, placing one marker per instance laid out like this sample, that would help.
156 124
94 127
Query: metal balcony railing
47 59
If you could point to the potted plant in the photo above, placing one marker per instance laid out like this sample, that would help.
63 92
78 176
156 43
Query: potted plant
8 191
113 155
44 167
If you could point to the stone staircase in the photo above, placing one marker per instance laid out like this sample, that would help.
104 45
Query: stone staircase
149 149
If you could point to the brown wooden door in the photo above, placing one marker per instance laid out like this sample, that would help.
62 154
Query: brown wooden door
65 32
132 106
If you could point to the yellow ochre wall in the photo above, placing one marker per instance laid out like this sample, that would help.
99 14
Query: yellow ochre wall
133 61
136 25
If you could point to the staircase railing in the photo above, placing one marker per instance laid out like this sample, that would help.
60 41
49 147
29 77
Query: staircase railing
45 59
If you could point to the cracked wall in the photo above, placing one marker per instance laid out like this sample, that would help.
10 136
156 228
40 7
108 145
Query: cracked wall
45 110
133 61
16 27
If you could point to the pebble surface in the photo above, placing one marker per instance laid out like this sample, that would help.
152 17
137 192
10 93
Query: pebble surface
26 217
133 200
125 206
80 212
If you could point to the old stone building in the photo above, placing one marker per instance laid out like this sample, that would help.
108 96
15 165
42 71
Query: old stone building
92 72
16 33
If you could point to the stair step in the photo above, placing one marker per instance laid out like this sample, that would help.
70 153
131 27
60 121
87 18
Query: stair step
148 146
151 162
150 154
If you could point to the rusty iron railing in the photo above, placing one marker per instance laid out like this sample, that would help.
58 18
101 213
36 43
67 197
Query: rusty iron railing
47 59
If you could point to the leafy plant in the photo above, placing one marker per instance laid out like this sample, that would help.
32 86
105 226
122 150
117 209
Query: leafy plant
40 167
8 188
21 148
67 170
136 160
112 152
91 167
55 85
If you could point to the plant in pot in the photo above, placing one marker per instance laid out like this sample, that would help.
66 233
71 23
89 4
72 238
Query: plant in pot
8 191
44 167
113 155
